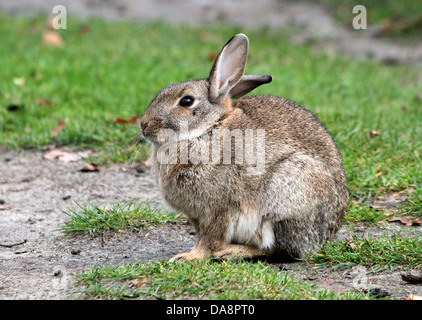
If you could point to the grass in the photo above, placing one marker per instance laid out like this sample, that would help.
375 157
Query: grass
359 212
385 252
206 280
413 206
119 217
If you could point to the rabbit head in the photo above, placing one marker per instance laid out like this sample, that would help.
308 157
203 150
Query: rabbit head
190 109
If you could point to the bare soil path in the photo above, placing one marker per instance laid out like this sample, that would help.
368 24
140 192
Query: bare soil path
34 193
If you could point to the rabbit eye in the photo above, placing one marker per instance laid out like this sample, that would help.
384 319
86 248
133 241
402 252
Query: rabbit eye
186 101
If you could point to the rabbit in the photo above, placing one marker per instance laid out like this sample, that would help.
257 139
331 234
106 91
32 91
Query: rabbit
296 201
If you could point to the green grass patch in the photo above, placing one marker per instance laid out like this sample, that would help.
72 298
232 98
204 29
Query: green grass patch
359 212
412 207
119 217
201 280
385 252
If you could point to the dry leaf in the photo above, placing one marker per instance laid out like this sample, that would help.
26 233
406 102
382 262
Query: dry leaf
387 26
406 221
15 107
350 244
138 283
412 278
83 154
44 102
353 246
376 293
134 119
403 192
212 56
204 36
20 82
391 60
52 38
377 207
60 155
374 133
49 25
90 167
83 30
61 125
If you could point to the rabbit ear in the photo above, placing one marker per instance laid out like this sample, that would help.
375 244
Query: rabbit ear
228 67
247 84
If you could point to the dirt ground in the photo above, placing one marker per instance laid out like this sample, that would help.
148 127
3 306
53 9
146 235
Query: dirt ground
34 190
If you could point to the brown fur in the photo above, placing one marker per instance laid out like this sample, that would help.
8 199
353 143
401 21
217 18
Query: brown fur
297 202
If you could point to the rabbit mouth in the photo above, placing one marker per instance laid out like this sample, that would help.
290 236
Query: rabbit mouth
151 129
154 131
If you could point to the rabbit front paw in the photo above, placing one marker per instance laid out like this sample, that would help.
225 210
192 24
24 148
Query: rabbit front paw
188 256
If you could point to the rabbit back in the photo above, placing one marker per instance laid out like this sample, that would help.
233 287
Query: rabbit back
304 193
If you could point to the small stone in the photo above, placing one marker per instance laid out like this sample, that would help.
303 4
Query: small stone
58 273
140 168
75 251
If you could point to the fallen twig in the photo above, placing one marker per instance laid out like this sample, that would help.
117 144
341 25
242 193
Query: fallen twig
13 244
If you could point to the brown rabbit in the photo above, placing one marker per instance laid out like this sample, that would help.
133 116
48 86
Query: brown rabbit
291 198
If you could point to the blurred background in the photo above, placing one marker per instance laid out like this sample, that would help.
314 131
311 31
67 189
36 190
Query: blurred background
386 19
